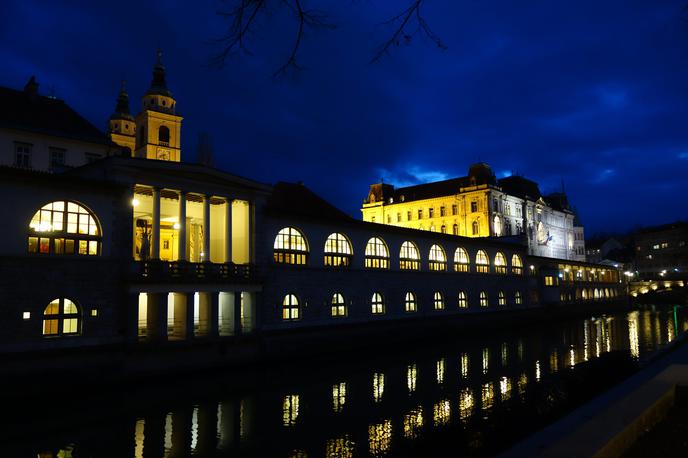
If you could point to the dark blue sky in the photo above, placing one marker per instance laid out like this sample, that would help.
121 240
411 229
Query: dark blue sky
591 92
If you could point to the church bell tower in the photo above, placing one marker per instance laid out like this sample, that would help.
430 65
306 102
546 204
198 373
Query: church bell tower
122 126
158 127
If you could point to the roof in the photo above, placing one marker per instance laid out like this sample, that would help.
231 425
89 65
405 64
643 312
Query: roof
430 190
519 186
23 110
297 200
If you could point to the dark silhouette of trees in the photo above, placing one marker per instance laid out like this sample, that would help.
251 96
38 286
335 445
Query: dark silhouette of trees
242 17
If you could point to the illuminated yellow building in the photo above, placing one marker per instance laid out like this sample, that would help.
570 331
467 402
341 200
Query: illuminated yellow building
480 205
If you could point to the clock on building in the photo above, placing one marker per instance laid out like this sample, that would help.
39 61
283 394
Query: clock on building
163 154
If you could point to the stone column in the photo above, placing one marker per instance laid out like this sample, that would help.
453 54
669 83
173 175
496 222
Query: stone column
213 315
228 230
181 243
156 317
189 319
206 228
155 236
237 313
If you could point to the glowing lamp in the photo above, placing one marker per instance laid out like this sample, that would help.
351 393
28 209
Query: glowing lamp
135 202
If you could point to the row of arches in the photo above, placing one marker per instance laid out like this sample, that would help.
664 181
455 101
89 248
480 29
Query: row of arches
291 247
292 305
587 294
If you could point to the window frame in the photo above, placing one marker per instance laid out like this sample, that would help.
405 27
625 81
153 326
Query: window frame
343 251
292 255
461 266
438 300
437 258
409 262
484 299
377 304
291 307
64 241
60 318
500 263
410 302
462 300
482 263
338 308
373 259
516 264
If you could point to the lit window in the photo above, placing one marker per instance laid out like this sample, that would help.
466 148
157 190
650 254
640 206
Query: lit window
463 302
483 299
290 308
290 247
438 300
410 304
438 259
549 280
461 260
516 265
409 256
26 316
338 250
376 254
500 263
338 305
501 299
94 312
61 317
64 227
482 262
518 299
377 304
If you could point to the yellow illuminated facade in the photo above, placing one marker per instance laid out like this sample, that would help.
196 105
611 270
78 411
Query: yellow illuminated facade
480 205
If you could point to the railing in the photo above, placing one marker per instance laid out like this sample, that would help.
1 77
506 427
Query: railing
161 271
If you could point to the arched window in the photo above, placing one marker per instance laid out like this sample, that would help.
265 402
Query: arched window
410 304
476 228
483 299
516 265
438 300
585 294
61 318
377 304
596 294
463 302
500 263
64 227
164 135
518 299
290 308
290 247
443 229
482 262
338 305
455 229
409 256
376 254
461 260
438 259
338 250
501 298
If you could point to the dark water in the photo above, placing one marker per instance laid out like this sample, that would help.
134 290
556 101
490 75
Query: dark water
467 397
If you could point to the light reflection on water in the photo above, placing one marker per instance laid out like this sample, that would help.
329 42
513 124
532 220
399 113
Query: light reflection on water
379 407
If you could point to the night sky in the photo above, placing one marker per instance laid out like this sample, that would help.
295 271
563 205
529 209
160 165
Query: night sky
594 93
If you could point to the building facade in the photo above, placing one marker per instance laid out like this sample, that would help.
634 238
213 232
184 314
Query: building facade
479 205
140 249
662 250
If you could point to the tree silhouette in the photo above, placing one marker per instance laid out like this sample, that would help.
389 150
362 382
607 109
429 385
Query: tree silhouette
243 15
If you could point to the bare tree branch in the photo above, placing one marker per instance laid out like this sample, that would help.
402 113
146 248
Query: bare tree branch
401 33
242 16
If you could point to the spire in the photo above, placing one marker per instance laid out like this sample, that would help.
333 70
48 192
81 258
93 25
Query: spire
31 87
158 84
122 107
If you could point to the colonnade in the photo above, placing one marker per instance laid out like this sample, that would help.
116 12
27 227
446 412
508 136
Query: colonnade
186 315
181 242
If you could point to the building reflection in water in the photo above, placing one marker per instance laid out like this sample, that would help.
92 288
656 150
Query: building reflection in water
466 403
338 396
378 386
440 365
290 409
380 438
464 365
413 423
237 424
441 412
487 397
411 374
341 447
